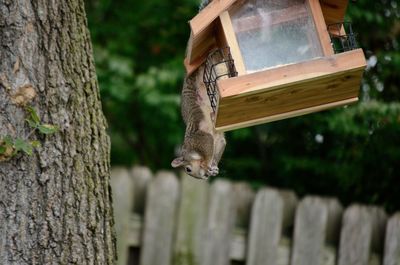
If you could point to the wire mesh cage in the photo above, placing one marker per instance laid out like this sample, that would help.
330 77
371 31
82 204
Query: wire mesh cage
219 64
342 36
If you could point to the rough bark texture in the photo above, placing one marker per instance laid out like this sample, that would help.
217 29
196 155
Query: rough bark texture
55 206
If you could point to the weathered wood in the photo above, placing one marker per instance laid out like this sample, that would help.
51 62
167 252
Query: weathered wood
284 250
311 227
266 228
362 231
134 231
221 217
122 187
392 241
141 177
244 197
192 219
160 218
219 242
238 244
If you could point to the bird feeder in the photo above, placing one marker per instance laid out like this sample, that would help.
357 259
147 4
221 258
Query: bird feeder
278 59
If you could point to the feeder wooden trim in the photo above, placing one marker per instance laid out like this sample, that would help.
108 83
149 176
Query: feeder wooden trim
232 43
286 115
206 16
340 32
273 78
306 94
202 31
321 27
198 48
333 11
278 17
203 25
289 91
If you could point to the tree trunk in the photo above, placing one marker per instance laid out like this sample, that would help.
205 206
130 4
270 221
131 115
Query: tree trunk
55 205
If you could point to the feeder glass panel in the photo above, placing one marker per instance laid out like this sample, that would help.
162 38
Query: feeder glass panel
274 33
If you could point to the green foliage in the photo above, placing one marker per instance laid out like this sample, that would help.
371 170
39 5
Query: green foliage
23 145
10 147
350 152
34 122
139 57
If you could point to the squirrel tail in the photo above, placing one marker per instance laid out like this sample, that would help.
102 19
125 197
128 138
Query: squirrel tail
203 4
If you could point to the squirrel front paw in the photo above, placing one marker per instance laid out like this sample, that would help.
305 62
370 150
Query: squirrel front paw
213 171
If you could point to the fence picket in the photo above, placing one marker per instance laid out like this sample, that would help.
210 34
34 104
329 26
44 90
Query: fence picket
313 221
392 242
266 228
122 187
159 222
192 218
141 178
221 217
362 231
160 219
244 198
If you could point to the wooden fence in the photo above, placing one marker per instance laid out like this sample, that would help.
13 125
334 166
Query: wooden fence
163 220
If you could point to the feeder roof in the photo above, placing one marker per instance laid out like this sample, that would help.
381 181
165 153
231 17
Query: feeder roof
202 24
333 11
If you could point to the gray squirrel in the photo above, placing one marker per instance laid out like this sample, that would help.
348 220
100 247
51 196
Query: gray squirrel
203 146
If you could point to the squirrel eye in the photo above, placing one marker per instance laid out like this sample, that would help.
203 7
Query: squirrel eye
188 170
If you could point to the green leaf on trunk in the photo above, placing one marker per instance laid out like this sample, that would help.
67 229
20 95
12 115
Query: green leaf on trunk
47 128
35 144
8 140
23 145
2 149
31 123
34 117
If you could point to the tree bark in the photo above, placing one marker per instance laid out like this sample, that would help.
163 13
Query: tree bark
55 205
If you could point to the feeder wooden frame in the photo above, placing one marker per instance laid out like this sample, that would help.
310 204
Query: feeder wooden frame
283 91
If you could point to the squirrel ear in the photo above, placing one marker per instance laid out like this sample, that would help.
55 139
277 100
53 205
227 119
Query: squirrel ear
177 162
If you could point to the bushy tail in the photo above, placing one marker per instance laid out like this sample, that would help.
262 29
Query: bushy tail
203 4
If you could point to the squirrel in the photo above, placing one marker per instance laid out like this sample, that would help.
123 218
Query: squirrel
203 146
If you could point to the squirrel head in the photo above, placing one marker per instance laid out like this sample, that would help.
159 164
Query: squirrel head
193 164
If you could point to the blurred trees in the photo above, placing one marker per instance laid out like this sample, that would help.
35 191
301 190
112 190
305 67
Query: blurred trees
351 152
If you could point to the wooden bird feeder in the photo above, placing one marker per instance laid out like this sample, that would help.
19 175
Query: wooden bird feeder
277 59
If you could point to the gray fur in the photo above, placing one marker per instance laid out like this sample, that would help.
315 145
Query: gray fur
203 4
202 147
201 140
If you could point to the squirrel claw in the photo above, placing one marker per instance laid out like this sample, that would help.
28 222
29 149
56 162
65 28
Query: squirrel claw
213 171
